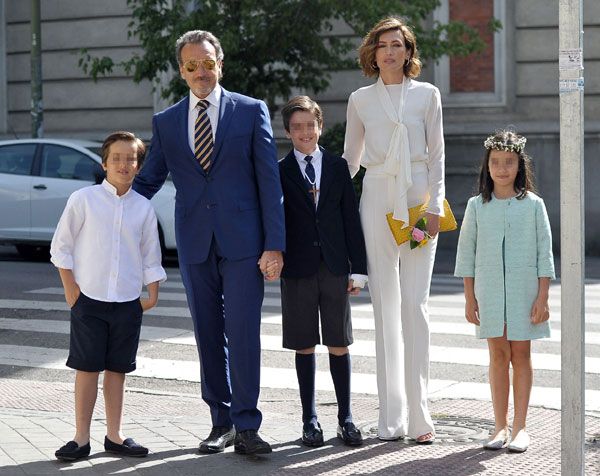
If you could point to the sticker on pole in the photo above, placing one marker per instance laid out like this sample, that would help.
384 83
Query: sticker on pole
570 85
570 59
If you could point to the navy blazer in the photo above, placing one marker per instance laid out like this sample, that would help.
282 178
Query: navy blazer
332 231
239 201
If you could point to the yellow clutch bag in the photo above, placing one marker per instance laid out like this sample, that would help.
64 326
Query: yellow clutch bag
401 232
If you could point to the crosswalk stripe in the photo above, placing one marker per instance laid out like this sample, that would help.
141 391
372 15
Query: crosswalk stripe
446 319
358 310
362 348
26 356
437 287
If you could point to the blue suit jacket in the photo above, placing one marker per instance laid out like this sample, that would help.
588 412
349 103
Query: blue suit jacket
239 201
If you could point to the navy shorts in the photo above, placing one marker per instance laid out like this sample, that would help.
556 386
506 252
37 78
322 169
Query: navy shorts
104 335
304 299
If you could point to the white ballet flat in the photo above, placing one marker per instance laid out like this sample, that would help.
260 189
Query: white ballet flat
519 443
497 442
390 438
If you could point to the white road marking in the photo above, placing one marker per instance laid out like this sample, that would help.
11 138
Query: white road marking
25 356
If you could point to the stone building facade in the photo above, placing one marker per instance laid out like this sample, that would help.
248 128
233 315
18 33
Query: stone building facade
515 81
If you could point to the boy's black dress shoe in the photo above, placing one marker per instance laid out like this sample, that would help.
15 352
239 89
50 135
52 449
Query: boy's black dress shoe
312 435
220 438
72 451
128 448
349 434
248 442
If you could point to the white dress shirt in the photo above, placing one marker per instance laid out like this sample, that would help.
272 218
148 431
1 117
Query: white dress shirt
214 99
317 157
317 160
110 242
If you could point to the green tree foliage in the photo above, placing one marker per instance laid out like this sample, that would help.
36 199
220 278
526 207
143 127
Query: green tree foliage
273 47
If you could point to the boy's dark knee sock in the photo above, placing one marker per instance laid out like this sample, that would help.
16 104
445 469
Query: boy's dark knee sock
305 370
340 367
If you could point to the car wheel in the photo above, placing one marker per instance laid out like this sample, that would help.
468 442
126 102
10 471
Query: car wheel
34 252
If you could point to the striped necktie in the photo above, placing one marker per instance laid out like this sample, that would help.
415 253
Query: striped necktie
203 136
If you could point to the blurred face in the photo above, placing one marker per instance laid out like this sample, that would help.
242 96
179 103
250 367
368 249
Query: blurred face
304 131
200 68
503 167
391 52
121 165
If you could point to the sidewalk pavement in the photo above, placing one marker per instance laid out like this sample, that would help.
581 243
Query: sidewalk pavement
37 417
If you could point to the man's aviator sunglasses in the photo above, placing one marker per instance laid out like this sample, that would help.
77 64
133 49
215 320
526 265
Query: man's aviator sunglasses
192 65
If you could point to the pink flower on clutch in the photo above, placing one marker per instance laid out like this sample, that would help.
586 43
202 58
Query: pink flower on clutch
418 234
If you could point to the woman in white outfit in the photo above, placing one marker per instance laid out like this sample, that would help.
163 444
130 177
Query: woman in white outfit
394 130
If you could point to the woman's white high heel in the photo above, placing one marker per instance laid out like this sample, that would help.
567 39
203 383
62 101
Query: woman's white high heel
498 441
519 443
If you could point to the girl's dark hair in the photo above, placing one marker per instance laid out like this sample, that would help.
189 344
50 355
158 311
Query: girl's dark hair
524 181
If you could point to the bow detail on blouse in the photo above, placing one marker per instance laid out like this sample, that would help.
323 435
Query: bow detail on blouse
397 158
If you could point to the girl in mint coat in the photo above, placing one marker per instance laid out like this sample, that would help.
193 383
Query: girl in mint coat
505 257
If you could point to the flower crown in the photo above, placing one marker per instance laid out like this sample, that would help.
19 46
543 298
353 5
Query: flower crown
493 142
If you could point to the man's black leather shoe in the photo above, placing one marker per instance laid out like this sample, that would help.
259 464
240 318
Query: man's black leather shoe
349 434
312 435
220 438
248 442
72 451
128 448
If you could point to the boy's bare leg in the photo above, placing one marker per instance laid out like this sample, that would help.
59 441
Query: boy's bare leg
86 391
522 381
500 354
114 395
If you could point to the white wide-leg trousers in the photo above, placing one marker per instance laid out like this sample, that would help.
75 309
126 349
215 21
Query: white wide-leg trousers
399 283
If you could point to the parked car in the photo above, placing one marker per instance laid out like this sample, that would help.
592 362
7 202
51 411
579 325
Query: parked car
36 178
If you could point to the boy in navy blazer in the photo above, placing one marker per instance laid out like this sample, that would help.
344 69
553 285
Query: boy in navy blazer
325 261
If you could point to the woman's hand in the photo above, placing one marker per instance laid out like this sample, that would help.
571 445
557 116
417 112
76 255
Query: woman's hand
433 224
472 310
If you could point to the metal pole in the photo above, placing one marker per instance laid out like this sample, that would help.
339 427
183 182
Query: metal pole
572 242
37 112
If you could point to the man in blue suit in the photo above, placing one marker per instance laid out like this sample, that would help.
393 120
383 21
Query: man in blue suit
219 148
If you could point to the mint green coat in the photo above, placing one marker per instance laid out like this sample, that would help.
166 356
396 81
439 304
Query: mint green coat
506 245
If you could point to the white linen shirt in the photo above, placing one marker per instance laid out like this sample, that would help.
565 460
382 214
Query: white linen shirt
214 99
110 242
317 160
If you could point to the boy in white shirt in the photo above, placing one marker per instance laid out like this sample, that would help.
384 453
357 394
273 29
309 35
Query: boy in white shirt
106 247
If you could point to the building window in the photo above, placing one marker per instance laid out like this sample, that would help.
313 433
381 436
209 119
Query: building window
478 79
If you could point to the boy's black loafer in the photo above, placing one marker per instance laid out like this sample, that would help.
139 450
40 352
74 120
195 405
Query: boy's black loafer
72 451
349 434
312 435
128 448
